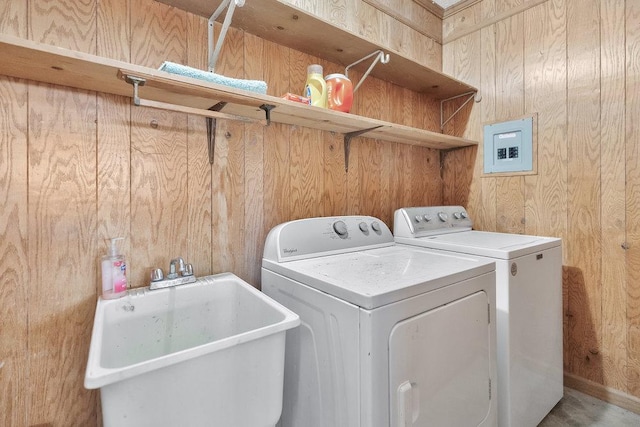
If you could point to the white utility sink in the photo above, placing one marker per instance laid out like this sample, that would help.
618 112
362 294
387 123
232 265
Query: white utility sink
208 353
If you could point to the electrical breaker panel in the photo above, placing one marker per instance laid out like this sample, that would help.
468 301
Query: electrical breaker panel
508 146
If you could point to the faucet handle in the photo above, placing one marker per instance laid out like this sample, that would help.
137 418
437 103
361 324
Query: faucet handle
157 274
188 270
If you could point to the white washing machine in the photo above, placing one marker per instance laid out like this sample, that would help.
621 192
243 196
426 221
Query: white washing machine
389 335
528 302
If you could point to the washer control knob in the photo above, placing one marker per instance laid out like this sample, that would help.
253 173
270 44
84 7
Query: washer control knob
418 218
464 215
457 215
363 227
427 218
376 226
340 228
443 216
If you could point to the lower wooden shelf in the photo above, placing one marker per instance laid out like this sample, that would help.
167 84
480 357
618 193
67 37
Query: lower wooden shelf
30 60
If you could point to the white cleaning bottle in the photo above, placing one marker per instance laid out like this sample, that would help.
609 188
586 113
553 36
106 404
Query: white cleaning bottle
114 272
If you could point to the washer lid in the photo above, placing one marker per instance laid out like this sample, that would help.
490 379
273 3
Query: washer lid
484 243
376 277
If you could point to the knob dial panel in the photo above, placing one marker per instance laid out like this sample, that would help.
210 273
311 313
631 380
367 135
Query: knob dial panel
340 228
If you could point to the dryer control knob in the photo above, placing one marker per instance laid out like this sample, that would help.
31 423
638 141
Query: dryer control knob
443 216
376 226
418 218
427 218
340 228
464 215
457 215
363 227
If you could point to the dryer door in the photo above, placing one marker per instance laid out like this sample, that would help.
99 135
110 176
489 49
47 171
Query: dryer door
440 367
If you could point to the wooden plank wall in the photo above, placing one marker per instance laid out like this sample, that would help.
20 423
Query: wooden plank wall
77 167
574 63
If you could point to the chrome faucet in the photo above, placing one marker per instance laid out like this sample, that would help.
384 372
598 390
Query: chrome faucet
172 268
180 273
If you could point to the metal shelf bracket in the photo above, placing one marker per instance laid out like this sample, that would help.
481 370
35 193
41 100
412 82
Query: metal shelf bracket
380 57
136 82
267 112
215 51
471 95
347 143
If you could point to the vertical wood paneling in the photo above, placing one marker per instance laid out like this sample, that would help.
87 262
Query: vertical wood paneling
65 23
228 172
584 93
510 202
373 156
114 29
463 59
334 200
14 268
306 152
113 195
62 229
99 167
13 18
62 224
613 220
276 140
485 214
632 151
583 136
14 271
545 88
254 59
159 216
401 104
199 171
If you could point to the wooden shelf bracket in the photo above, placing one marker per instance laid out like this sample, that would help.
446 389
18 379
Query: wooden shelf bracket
347 143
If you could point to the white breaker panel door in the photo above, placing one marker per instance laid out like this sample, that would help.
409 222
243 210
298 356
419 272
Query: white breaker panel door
444 380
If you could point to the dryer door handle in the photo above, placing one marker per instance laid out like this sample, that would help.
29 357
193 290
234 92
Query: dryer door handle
408 404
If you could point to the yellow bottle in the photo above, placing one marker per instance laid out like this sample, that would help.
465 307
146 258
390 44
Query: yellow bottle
316 87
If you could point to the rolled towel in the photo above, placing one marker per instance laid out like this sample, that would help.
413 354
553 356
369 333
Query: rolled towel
257 86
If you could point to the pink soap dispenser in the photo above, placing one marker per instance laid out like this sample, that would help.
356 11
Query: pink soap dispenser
114 272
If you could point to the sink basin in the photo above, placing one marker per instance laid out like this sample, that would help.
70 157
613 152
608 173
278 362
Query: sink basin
205 353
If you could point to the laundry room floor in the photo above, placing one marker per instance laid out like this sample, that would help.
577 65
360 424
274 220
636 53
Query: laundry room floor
581 410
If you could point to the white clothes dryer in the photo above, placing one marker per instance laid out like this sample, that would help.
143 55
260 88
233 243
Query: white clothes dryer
389 335
528 303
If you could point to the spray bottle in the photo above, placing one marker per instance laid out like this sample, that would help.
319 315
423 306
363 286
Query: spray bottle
114 272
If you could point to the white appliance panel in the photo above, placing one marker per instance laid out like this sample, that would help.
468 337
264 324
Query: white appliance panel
448 365
376 327
528 304
485 243
531 350
322 369
375 277
350 292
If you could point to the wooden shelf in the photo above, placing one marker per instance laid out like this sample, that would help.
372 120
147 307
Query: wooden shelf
293 27
49 64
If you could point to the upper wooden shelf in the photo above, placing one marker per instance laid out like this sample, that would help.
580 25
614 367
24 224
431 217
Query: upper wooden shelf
30 60
290 26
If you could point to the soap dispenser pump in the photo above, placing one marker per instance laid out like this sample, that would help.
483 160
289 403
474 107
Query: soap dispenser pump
114 272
